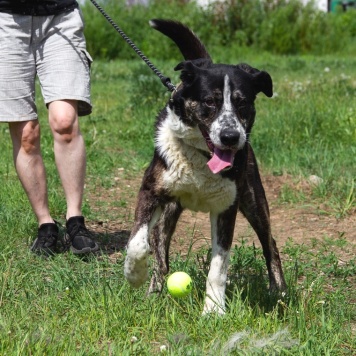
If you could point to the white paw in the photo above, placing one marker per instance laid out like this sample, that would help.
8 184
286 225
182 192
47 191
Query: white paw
212 306
136 262
136 271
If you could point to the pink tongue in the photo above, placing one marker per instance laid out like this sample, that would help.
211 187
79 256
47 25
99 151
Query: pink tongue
220 160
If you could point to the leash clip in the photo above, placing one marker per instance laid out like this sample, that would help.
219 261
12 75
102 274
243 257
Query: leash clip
167 83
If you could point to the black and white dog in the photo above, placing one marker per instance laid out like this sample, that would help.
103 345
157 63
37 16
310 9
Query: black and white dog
203 161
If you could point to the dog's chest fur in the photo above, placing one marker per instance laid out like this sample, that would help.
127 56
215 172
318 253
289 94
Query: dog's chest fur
187 177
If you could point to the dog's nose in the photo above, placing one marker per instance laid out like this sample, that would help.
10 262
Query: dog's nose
229 137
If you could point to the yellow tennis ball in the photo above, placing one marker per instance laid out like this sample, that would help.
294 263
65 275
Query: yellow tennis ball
179 284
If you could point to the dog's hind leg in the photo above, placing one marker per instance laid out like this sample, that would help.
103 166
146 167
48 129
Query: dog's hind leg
253 204
222 230
160 242
147 214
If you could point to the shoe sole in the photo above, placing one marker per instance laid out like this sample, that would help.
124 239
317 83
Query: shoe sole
84 251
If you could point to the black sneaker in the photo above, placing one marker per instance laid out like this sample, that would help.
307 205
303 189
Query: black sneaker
79 237
46 241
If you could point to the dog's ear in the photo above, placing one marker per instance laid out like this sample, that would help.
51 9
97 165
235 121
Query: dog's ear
263 83
190 68
261 79
187 71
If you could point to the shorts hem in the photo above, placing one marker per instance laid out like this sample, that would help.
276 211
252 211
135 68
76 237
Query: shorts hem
21 119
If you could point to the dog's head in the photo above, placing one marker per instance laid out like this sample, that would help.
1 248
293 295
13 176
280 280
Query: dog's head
219 100
215 99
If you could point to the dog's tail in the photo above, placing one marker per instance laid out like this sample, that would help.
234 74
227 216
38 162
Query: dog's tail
188 43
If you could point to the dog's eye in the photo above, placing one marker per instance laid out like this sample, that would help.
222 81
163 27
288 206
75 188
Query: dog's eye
210 102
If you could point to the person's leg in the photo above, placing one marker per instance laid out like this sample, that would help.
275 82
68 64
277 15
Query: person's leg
29 166
69 151
63 69
31 172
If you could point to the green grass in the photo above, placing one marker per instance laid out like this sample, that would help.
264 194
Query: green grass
69 306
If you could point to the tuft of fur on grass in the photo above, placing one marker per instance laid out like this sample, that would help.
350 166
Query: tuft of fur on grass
234 340
279 340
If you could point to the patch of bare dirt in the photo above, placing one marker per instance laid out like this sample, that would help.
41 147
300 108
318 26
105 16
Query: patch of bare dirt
302 224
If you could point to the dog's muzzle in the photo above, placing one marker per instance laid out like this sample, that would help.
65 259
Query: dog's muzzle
221 159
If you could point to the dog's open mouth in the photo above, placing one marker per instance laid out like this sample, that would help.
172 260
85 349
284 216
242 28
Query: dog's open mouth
221 159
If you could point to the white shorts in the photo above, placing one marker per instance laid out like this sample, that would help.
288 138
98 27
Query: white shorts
50 47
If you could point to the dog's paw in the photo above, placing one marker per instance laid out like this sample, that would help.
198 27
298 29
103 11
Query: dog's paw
136 262
136 266
278 286
136 271
213 307
156 284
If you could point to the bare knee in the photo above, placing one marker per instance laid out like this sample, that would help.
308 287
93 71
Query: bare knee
64 120
25 136
64 128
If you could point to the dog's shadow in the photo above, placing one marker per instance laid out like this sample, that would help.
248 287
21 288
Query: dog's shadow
110 240
113 242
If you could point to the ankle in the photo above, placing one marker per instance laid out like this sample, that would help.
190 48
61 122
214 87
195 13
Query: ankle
45 221
75 220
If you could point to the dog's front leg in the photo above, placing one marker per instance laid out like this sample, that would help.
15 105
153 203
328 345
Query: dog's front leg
160 242
254 205
138 248
222 229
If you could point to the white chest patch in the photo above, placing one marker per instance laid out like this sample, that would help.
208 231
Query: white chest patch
188 177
